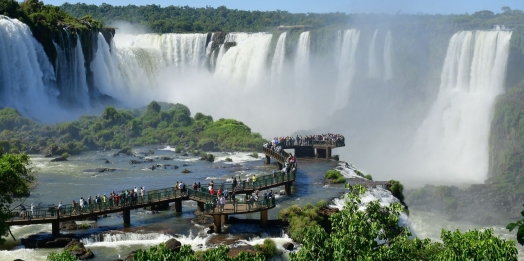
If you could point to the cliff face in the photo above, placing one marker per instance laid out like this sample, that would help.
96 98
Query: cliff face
506 142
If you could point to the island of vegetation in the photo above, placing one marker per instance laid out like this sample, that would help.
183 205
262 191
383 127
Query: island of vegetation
159 123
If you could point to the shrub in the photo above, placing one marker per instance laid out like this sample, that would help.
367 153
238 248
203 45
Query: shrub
65 155
208 156
270 248
335 157
229 160
340 179
368 176
254 155
396 189
332 174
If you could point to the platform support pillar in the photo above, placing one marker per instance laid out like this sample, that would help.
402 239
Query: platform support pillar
263 218
178 206
218 223
55 228
127 216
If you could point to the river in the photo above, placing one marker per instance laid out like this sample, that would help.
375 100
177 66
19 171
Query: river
65 181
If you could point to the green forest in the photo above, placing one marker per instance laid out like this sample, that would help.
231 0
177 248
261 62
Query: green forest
159 123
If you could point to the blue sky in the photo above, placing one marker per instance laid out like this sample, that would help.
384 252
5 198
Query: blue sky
324 6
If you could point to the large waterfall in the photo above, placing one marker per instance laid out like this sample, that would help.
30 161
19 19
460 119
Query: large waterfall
27 80
351 83
453 140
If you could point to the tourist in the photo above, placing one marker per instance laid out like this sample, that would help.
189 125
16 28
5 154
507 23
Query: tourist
135 190
142 193
74 207
22 211
182 186
199 186
89 200
234 183
254 180
32 209
195 186
222 203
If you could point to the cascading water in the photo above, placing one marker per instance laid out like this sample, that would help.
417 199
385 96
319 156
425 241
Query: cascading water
27 80
388 67
347 67
302 61
453 139
277 64
373 67
245 62
71 73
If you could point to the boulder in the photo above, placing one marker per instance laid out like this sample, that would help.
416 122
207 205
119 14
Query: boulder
288 246
175 167
78 249
185 154
107 161
173 245
186 171
166 158
135 162
59 159
45 241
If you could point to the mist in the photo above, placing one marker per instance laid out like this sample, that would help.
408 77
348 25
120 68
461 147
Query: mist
414 105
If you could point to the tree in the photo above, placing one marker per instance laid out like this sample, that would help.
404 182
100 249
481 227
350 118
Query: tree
16 177
520 230
375 234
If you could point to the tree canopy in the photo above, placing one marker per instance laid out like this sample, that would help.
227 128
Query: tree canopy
16 177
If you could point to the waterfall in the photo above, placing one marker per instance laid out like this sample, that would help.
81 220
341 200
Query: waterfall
27 79
453 139
302 61
246 61
71 73
277 65
373 68
388 70
347 67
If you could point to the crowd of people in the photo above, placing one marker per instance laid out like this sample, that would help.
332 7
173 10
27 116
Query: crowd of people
306 140
133 196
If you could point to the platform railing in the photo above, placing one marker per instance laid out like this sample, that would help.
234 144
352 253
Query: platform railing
68 210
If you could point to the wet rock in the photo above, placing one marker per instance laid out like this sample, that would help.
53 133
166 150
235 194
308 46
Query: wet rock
288 246
104 170
135 162
59 159
185 154
166 158
183 165
78 249
175 167
42 240
18 259
185 171
173 245
149 160
282 192
48 156
107 161
211 229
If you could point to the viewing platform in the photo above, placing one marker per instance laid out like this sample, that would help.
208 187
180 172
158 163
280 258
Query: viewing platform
159 197
302 148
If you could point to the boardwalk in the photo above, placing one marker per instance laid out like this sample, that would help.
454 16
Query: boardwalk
162 197
309 148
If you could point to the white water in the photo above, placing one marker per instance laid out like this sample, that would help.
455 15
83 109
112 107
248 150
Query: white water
453 140
347 67
373 67
388 67
27 80
302 62
277 65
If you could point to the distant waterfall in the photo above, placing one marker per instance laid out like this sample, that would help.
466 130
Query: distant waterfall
388 70
27 80
302 60
453 139
71 73
373 67
347 67
277 65
245 62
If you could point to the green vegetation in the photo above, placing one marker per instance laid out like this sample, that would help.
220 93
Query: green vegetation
47 24
354 235
254 155
16 176
334 176
208 156
520 230
301 218
122 129
268 248
229 160
368 177
335 157
64 256
396 189
161 253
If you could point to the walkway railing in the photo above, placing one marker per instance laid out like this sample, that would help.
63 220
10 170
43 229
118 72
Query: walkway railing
294 143
67 210
278 157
